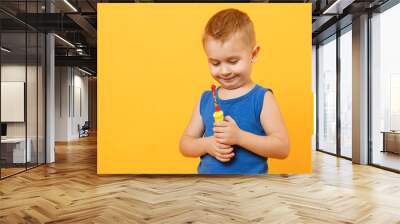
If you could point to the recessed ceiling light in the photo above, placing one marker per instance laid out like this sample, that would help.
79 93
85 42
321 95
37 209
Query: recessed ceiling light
5 50
64 40
71 6
338 6
84 71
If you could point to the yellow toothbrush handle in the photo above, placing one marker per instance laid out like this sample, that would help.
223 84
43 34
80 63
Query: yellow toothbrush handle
218 116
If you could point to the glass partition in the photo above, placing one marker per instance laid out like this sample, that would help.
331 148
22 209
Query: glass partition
22 77
14 153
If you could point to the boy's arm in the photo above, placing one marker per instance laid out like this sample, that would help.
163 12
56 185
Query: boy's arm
274 145
192 144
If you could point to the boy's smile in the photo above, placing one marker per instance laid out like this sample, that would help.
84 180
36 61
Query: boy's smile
230 61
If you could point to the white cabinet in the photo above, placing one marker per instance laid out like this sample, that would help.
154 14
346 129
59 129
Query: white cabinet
18 149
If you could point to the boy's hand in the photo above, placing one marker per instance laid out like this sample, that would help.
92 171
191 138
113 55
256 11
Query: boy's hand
227 132
221 152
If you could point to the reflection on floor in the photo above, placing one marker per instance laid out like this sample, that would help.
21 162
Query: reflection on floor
10 169
386 159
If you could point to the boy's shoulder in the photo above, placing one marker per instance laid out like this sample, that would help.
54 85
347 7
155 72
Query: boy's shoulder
205 97
260 91
263 88
206 93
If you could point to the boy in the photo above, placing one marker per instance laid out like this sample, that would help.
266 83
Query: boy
253 129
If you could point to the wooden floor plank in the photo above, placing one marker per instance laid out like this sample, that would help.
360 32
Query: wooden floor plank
70 191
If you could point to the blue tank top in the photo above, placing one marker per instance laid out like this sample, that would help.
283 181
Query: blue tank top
245 110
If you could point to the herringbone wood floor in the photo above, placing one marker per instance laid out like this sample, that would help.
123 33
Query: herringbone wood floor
69 191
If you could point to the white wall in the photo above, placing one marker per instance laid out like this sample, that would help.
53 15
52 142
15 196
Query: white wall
80 83
71 87
12 101
314 91
62 81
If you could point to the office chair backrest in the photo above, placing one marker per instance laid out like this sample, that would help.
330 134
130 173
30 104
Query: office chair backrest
86 125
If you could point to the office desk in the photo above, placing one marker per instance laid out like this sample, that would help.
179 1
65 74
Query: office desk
391 141
15 148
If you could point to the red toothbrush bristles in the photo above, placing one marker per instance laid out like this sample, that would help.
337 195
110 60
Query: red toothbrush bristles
214 93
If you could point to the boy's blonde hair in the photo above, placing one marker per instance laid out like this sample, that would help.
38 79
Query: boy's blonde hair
225 23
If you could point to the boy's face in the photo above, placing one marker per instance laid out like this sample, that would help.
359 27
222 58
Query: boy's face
230 61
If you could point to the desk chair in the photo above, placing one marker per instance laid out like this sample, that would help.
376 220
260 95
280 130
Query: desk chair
84 130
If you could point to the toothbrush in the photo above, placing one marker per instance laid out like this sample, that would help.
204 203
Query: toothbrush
218 114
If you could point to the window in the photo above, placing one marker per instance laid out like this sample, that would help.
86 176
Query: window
346 92
385 88
327 95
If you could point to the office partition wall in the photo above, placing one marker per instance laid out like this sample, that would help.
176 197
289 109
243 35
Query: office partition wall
13 145
22 64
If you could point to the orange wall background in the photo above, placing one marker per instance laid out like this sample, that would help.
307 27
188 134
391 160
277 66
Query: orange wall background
152 71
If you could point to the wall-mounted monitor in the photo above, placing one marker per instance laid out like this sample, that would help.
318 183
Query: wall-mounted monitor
12 101
3 129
